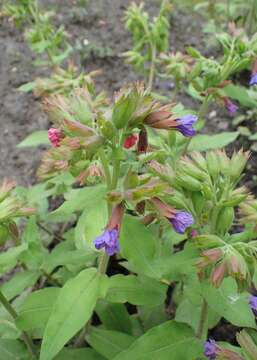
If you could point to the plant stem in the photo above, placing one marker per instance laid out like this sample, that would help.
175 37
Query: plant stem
203 317
152 68
105 165
14 315
49 232
115 174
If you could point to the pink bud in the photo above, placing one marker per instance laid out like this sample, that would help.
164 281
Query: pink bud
130 141
218 274
212 254
54 135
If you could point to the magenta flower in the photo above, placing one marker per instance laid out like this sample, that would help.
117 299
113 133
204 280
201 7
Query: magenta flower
253 304
181 221
253 80
210 349
185 125
230 106
109 240
54 135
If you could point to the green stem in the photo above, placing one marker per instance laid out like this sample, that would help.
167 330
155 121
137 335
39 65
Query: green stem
152 67
105 165
202 321
115 174
9 308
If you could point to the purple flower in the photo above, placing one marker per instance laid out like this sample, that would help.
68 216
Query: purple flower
210 349
253 80
253 304
185 125
231 107
109 240
181 221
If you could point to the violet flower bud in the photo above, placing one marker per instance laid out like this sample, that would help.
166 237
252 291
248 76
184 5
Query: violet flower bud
253 80
210 349
109 240
181 221
253 304
230 106
185 125
54 135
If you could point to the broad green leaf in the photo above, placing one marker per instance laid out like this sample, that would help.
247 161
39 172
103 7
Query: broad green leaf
170 340
151 316
19 282
230 304
9 258
78 200
71 311
240 93
35 139
109 343
91 224
189 313
138 246
13 350
175 266
36 308
114 316
135 291
78 354
209 142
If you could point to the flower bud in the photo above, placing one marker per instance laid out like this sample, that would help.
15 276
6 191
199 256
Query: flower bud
208 241
142 143
236 197
188 182
225 220
213 163
218 274
107 128
130 141
238 162
6 188
213 255
55 136
123 110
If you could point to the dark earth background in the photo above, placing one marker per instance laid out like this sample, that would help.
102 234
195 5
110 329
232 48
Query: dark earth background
101 23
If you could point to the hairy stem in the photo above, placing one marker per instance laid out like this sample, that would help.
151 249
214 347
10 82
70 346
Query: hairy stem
203 318
105 165
152 68
6 304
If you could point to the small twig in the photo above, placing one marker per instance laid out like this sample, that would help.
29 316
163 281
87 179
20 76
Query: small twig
49 232
203 316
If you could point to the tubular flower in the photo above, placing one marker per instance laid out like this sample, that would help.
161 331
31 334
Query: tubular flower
253 80
185 125
230 106
253 304
180 220
210 349
163 119
109 239
55 136
130 141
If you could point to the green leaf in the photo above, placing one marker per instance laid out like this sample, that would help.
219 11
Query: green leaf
9 258
131 289
109 343
230 304
78 200
13 350
36 308
28 87
209 142
18 283
73 308
91 224
138 246
240 93
170 340
114 316
78 354
35 139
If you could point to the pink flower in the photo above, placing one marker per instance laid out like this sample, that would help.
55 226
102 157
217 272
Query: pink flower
130 141
55 136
